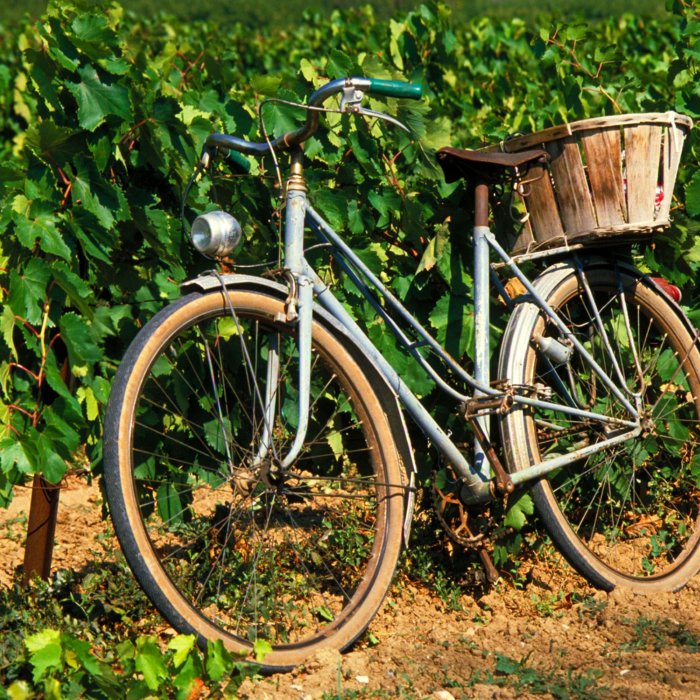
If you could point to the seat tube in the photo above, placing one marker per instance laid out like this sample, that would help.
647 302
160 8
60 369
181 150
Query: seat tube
482 357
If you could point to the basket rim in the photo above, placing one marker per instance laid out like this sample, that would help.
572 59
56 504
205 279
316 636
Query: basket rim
561 131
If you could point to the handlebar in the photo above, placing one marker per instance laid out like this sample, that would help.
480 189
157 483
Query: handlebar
395 88
353 89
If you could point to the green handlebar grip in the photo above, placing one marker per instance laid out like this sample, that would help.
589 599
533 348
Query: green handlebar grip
240 161
395 88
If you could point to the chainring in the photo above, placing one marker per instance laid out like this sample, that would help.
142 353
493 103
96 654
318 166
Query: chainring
468 526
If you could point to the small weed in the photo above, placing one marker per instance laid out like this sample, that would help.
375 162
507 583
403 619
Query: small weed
343 694
406 691
468 643
548 605
62 665
74 632
524 678
372 639
581 685
442 569
79 635
657 634
340 693
449 592
448 682
685 639
590 607
14 533
482 618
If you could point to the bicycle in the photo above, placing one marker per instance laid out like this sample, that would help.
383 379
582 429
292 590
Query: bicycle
258 467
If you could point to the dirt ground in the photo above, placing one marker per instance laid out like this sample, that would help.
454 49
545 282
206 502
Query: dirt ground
555 637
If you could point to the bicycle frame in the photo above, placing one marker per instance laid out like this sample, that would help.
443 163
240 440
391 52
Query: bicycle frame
257 462
308 286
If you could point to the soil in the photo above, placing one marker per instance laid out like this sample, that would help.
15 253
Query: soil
553 637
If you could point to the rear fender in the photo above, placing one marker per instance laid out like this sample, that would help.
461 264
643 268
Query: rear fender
647 281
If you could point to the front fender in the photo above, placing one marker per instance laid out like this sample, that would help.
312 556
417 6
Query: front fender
210 283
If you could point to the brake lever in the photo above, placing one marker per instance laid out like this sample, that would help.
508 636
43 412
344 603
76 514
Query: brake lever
380 115
351 100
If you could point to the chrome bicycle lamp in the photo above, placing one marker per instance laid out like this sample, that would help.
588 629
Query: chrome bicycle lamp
215 234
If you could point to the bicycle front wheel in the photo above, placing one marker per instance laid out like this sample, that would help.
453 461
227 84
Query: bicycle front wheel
629 514
226 541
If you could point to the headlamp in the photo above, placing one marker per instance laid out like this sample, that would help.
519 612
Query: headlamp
215 234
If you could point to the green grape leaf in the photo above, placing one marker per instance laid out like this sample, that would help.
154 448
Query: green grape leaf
453 322
13 456
7 326
48 460
333 206
75 332
45 652
335 442
516 517
56 143
182 645
218 661
104 200
266 84
149 660
42 230
261 648
340 65
93 29
76 288
97 100
53 376
28 290
61 420
170 506
692 195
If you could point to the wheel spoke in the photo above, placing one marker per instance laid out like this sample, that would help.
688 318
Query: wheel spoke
635 505
260 551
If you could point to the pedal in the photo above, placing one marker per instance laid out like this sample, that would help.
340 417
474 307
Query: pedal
492 574
480 405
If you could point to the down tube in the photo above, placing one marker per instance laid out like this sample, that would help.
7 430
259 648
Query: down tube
477 485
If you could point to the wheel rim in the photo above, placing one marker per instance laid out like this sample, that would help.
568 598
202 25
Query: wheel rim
634 506
262 552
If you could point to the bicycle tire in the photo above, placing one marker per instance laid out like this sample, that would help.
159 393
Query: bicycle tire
229 546
628 516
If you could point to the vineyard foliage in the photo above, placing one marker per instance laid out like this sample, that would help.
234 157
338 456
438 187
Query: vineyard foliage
103 116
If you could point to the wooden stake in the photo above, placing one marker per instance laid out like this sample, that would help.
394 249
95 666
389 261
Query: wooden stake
41 529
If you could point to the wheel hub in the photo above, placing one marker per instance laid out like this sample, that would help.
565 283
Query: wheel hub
244 481
648 425
268 474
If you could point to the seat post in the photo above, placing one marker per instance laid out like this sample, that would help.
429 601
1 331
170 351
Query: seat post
481 204
482 357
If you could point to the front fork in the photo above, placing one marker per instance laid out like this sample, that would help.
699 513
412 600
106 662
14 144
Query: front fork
298 310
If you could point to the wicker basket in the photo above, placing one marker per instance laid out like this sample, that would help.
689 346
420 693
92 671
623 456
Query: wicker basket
608 180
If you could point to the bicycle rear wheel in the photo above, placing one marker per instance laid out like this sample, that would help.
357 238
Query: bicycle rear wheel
228 543
628 515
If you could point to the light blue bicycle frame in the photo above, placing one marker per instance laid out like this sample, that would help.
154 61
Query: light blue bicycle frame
309 287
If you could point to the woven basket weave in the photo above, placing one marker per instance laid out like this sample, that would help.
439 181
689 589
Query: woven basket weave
608 180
